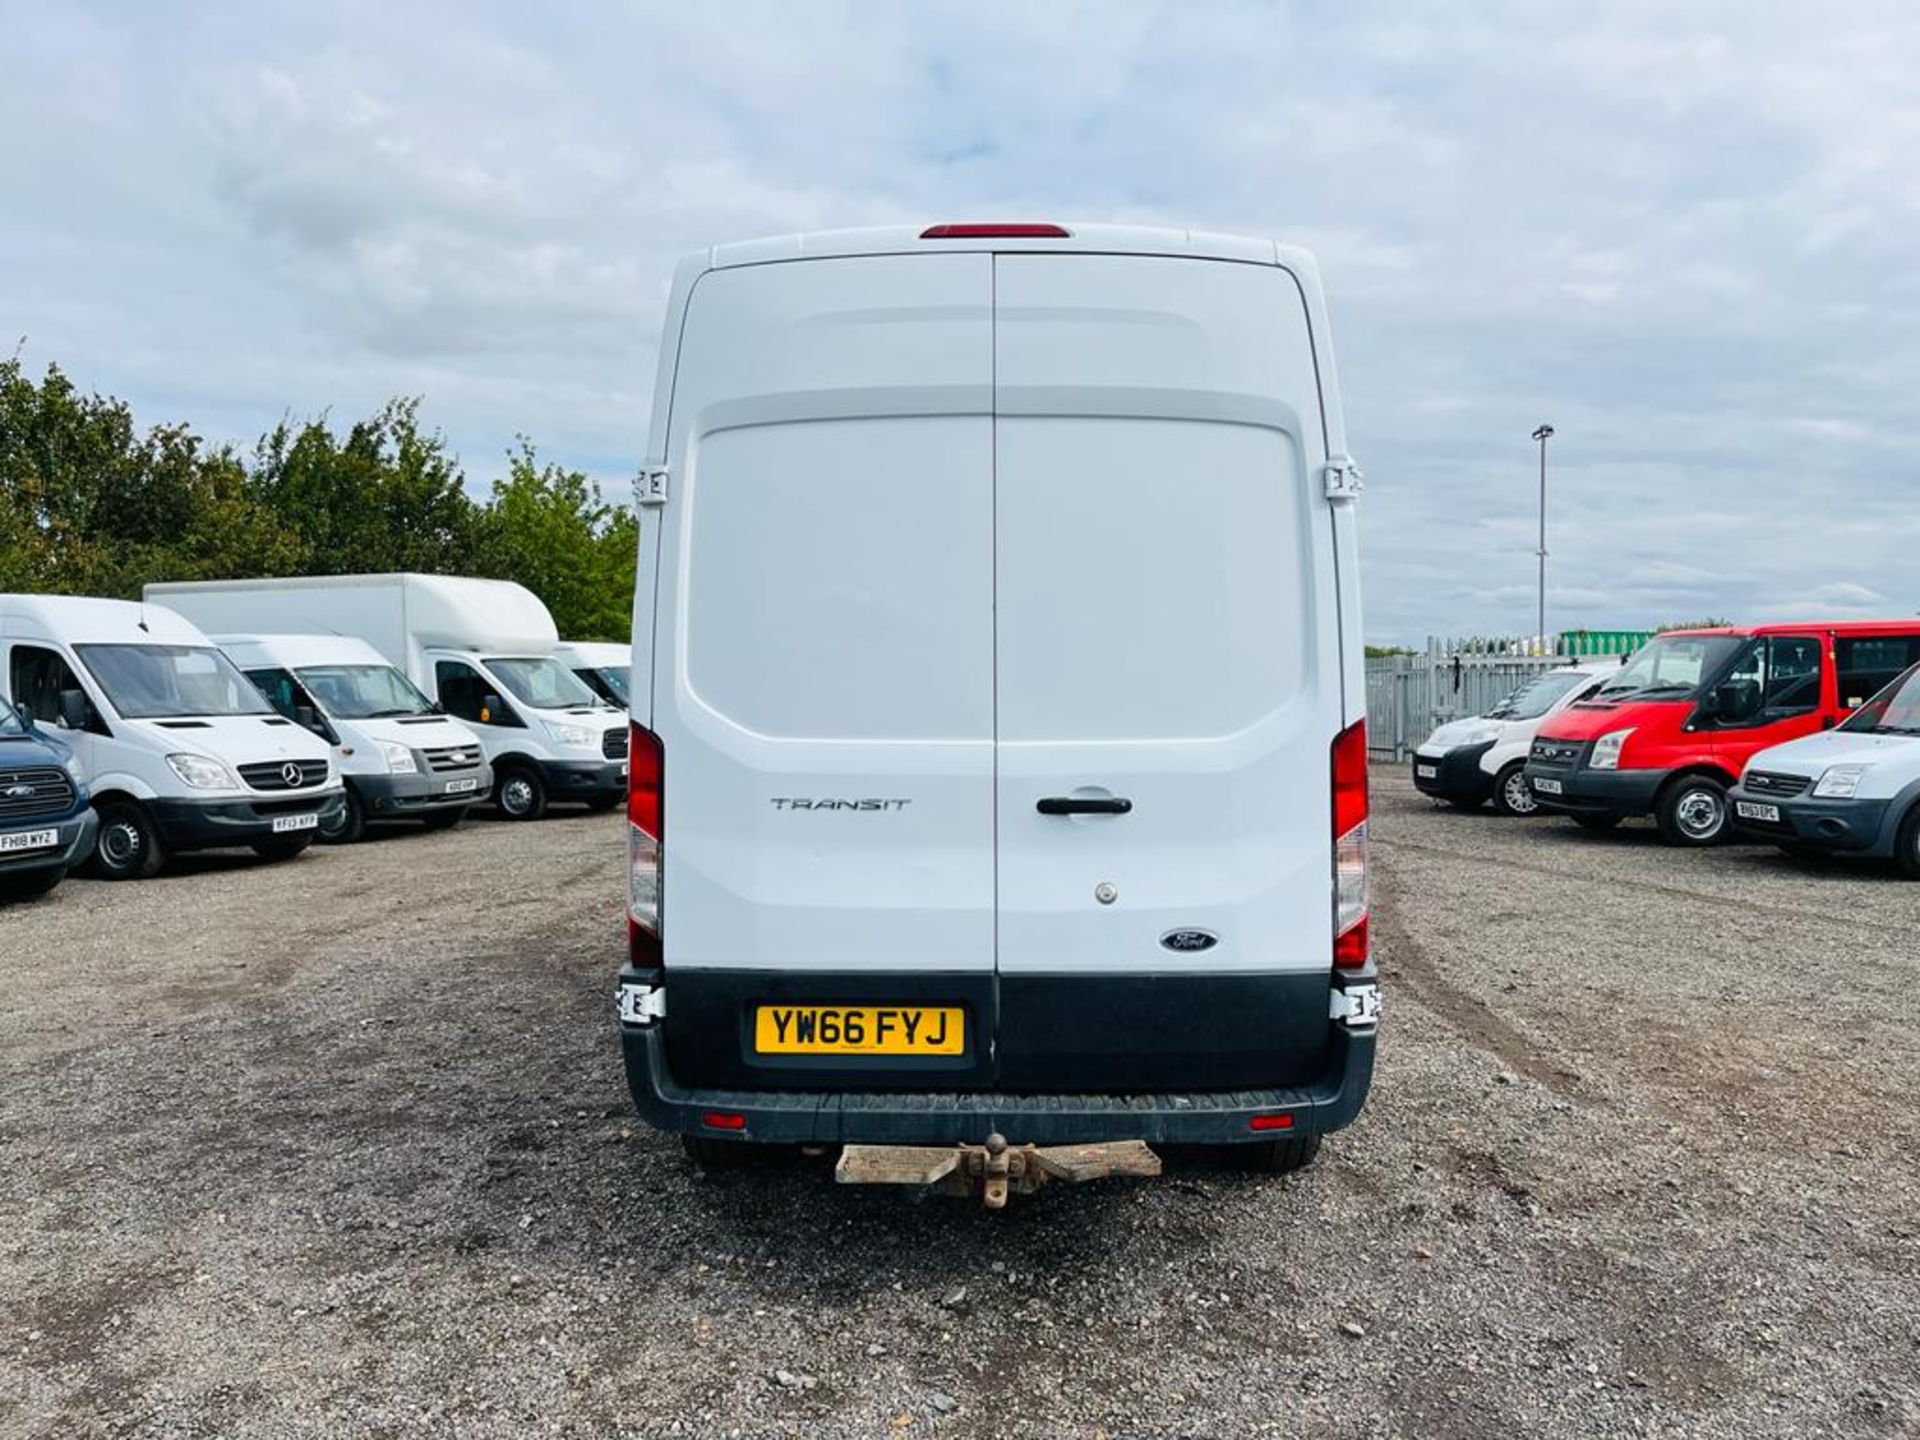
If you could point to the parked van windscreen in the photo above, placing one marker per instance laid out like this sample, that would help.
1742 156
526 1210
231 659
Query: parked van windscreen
1672 667
543 684
1894 711
1533 699
153 682
363 692
616 681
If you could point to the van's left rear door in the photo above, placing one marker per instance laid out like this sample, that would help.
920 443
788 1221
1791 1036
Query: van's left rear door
823 671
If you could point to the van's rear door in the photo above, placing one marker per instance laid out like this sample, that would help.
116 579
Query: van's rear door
823 670
1167 635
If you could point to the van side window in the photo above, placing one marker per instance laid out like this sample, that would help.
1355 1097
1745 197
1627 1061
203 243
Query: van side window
1869 663
463 693
1776 679
279 687
38 677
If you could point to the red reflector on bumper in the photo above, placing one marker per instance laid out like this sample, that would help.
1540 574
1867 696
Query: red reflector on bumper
723 1120
1270 1122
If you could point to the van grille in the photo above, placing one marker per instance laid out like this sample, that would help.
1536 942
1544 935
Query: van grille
453 757
1555 752
1768 782
284 774
40 791
613 744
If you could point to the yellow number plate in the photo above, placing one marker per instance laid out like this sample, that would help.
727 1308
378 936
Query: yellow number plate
859 1030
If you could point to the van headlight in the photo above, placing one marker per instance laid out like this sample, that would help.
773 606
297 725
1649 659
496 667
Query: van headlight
1606 750
202 773
399 759
578 735
1842 782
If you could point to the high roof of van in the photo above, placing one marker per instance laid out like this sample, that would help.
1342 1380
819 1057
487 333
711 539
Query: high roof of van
84 619
1078 239
1801 627
295 651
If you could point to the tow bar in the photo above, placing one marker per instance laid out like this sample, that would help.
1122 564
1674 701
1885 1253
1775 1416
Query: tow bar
995 1169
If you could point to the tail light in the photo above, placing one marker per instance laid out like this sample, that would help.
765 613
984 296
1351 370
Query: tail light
646 839
1022 230
1350 848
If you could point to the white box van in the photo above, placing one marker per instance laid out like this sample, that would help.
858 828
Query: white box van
482 649
1000 762
181 751
399 757
604 668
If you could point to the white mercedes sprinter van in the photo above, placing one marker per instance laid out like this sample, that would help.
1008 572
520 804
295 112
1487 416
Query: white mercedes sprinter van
180 750
999 755
482 649
605 669
398 756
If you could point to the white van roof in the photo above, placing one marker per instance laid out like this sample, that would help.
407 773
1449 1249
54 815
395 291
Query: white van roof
1078 238
84 619
292 652
593 652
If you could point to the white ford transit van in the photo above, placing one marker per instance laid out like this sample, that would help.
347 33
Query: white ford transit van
399 757
482 649
603 668
999 762
180 750
1469 761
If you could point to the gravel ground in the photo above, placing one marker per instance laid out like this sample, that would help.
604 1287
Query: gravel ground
341 1147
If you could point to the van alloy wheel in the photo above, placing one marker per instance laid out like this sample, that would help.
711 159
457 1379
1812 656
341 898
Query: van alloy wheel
1512 795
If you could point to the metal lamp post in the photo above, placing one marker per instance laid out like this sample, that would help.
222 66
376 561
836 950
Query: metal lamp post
1543 434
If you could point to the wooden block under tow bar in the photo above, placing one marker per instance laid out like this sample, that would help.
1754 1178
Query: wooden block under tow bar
897 1164
1097 1162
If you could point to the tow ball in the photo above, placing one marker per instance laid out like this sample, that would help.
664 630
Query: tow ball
995 1169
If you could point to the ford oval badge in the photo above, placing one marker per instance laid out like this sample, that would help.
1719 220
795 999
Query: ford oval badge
1188 941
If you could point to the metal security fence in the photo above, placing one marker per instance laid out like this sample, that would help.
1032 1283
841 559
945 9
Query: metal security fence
1408 695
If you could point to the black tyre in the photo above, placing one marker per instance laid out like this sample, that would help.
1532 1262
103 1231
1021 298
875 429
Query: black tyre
347 825
444 819
1279 1157
520 793
30 886
1906 848
1467 806
283 847
1512 796
128 846
1693 811
1596 822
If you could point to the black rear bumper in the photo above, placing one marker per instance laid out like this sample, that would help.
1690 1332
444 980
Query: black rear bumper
1075 1090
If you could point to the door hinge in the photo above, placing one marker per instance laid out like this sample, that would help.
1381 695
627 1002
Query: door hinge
1357 1007
650 486
642 1004
1342 478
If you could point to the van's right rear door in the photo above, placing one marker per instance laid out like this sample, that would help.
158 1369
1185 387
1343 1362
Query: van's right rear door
823 672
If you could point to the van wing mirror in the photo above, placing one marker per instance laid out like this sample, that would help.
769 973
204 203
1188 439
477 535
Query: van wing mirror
73 709
308 719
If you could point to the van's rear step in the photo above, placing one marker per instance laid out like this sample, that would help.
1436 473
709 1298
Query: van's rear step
995 1169
1209 1117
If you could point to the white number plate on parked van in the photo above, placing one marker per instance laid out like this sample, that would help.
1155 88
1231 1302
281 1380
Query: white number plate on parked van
1426 772
284 823
1754 810
1548 787
28 840
461 787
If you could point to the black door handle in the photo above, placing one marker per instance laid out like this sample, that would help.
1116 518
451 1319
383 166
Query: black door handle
1076 805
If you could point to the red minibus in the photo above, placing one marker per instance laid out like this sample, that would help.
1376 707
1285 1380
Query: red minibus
1669 735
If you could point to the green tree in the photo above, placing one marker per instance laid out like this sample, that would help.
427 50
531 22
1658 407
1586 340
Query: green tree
385 496
548 528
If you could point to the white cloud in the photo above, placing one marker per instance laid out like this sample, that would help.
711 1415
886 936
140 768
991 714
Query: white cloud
1683 236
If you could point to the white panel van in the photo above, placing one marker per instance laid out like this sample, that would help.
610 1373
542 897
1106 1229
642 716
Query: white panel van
181 751
481 649
999 758
604 668
398 755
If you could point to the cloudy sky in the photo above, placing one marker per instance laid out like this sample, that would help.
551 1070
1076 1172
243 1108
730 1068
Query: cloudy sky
1684 234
